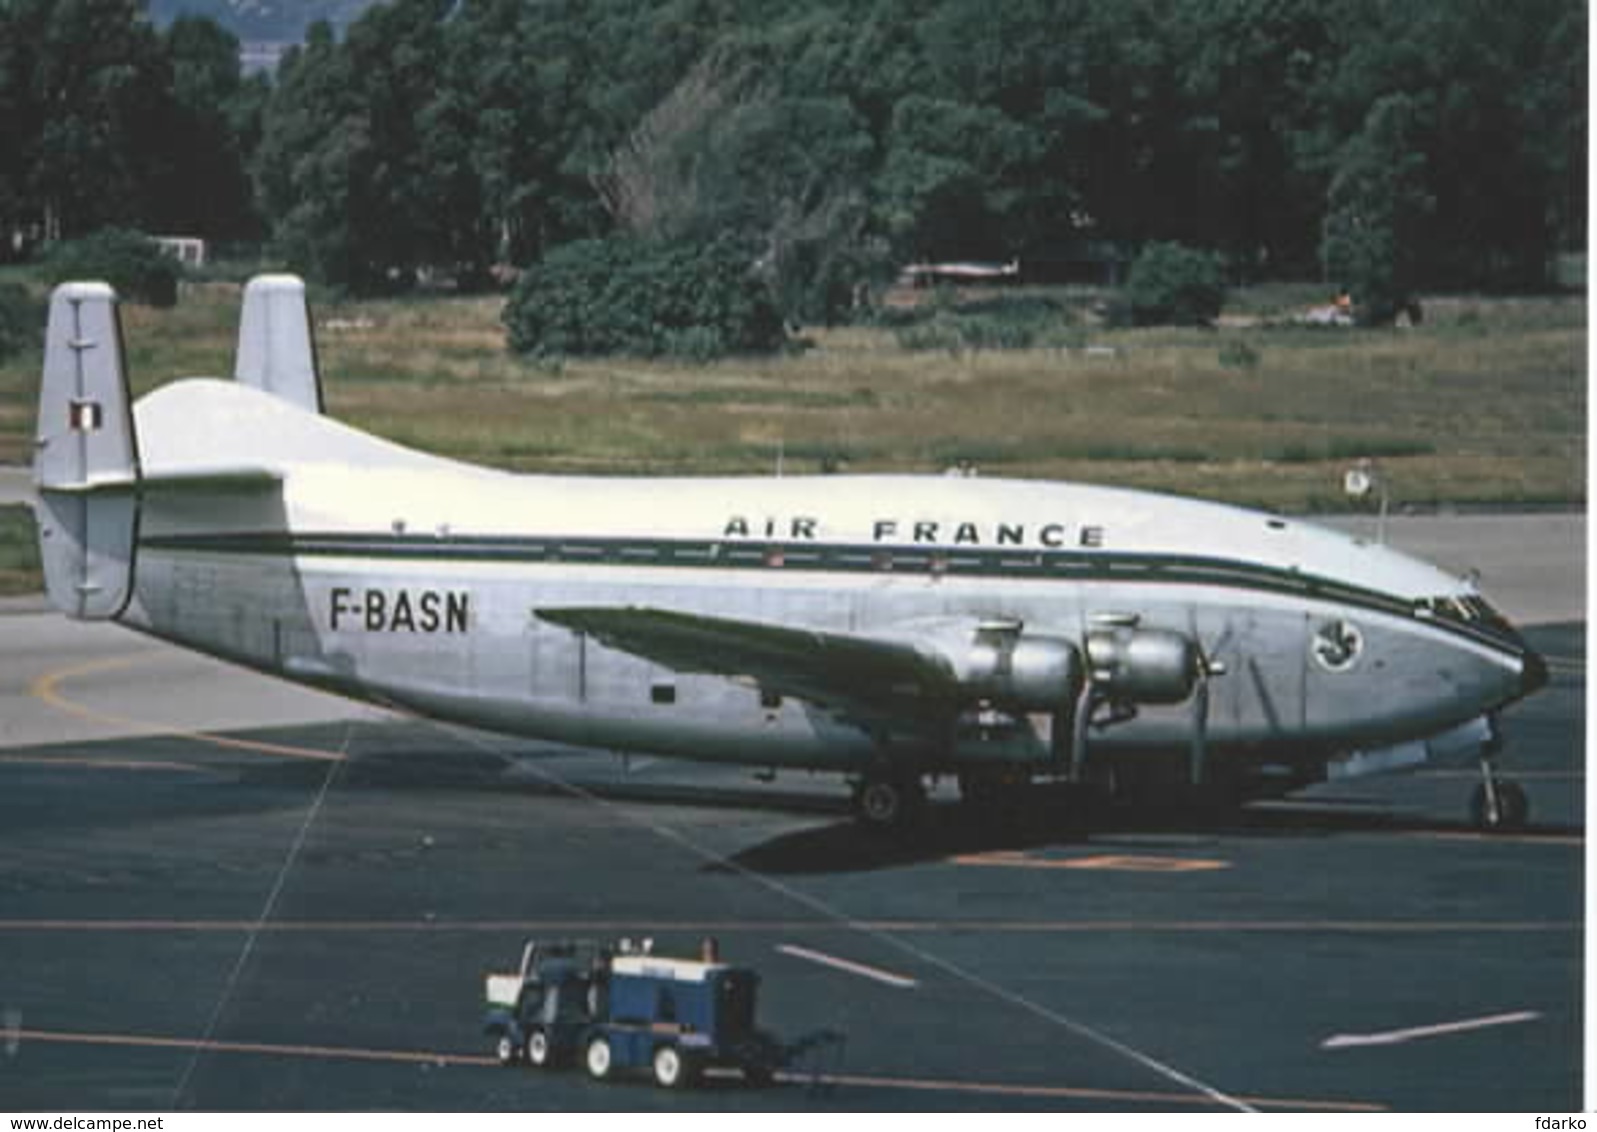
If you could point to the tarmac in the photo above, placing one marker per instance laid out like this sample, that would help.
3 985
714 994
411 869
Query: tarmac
219 892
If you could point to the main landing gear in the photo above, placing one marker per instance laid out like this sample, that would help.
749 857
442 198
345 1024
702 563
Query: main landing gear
1497 804
888 801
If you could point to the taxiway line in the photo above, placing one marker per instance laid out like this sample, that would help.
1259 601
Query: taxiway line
902 982
1054 927
430 1057
46 689
1396 1037
101 764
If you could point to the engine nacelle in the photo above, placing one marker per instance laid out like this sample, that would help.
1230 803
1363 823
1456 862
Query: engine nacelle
1143 666
1019 673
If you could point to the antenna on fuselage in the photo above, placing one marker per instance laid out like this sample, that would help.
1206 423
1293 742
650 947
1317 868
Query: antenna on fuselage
1359 482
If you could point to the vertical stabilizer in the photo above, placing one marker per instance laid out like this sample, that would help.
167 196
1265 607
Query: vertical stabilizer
276 353
86 461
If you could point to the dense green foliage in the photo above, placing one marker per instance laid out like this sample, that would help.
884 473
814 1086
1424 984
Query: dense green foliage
1391 144
688 299
1378 207
21 319
105 121
132 263
1171 285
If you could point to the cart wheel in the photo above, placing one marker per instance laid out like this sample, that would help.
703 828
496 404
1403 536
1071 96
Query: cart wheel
538 1050
670 1068
597 1058
505 1050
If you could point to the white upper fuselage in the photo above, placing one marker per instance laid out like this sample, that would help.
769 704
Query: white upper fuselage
339 479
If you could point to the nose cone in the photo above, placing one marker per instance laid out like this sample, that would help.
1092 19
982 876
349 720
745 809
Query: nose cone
1533 673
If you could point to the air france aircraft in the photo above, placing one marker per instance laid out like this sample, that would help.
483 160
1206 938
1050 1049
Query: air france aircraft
890 629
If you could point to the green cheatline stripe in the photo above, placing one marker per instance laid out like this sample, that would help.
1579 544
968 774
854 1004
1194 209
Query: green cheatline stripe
831 558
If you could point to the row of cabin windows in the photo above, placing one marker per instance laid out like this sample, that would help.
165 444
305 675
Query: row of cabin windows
664 693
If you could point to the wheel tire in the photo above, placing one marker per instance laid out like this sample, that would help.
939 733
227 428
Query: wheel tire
1512 805
670 1068
506 1051
539 1051
597 1058
1513 808
888 803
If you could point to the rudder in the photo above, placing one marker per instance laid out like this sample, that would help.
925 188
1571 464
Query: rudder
86 460
276 352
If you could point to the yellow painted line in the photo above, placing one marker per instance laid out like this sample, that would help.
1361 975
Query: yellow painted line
1507 772
1107 862
1064 1092
427 1057
101 764
1498 838
47 690
698 928
152 1041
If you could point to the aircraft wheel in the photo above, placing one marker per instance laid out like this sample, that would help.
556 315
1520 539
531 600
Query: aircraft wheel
539 1052
759 1076
888 803
1513 807
506 1051
597 1058
671 1070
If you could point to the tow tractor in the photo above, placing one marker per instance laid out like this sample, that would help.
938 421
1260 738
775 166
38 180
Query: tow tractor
622 1007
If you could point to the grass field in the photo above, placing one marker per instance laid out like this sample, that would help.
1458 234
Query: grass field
1483 403
19 553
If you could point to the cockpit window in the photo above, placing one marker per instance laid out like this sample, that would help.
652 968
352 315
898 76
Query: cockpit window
1468 609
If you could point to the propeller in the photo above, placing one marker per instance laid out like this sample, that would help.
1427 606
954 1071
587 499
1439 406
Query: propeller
1204 666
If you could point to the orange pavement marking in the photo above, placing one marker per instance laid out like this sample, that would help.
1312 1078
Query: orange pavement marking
1109 862
425 1057
46 689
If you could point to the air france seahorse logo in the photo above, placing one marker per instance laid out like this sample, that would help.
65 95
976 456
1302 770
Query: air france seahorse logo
1337 645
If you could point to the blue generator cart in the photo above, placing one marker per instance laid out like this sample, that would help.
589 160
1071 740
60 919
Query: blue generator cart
622 1008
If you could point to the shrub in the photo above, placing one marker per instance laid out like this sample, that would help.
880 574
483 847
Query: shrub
21 320
1237 354
1172 285
643 297
1004 323
132 263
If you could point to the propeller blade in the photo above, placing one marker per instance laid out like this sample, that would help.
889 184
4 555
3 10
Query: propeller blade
1085 702
1200 729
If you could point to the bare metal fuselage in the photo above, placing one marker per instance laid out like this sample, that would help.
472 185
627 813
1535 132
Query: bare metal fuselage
396 578
883 626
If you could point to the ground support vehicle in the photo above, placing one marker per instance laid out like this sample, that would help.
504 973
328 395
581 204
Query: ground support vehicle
626 1008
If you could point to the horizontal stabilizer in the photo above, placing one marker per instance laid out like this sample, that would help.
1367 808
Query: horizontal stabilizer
86 461
215 479
276 352
868 680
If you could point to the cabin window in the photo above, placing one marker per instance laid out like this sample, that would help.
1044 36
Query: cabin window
663 692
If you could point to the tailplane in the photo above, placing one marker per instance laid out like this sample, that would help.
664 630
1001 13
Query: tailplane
276 353
86 459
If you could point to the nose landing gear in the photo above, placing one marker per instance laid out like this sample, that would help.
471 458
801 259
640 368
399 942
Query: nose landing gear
1497 804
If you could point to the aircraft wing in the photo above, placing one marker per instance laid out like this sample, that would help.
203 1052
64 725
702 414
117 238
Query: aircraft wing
869 681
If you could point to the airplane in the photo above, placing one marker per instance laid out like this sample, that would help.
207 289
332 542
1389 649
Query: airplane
889 628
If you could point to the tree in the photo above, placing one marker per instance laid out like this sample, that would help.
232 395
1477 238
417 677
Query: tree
694 299
724 155
216 116
86 93
1172 285
1376 209
948 186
